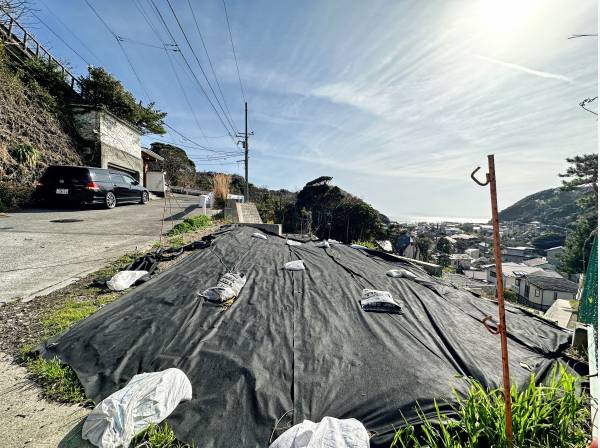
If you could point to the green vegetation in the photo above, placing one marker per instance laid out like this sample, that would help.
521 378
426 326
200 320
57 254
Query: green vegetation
444 248
581 176
58 381
25 154
367 244
191 225
180 170
158 436
510 295
100 88
547 240
552 415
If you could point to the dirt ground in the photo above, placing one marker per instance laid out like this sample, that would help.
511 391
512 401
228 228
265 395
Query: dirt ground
31 420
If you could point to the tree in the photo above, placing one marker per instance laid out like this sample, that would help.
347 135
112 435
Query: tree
180 170
444 247
100 88
548 240
425 244
583 171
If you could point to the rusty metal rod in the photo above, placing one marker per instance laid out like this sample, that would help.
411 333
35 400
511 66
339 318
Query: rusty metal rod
491 177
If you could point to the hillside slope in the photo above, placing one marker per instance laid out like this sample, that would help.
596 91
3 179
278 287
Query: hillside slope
553 207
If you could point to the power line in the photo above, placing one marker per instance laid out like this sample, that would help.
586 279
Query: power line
60 38
121 47
209 60
234 55
200 65
162 19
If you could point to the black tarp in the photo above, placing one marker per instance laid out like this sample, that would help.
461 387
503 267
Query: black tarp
299 341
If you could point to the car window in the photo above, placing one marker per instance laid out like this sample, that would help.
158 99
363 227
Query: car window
101 176
128 179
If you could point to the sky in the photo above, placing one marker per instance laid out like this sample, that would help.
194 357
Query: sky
398 100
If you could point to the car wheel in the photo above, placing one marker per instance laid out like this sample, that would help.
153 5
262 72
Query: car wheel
110 200
145 197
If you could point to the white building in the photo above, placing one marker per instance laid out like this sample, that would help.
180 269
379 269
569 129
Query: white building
473 253
541 291
512 271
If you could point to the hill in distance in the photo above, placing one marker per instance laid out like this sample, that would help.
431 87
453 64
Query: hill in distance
552 207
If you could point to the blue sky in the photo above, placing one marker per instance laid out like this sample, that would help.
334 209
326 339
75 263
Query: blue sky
397 100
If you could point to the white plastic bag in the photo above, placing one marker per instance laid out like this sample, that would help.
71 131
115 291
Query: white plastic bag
329 432
293 243
124 279
396 273
259 236
358 246
382 301
324 244
147 398
228 287
296 265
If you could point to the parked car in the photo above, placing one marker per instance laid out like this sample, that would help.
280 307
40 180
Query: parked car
89 185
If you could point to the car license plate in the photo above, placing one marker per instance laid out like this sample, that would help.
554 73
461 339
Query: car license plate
62 191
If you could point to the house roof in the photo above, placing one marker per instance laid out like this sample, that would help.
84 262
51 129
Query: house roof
553 284
555 248
152 154
536 261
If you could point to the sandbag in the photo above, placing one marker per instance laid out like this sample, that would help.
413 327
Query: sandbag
296 265
259 235
358 246
329 432
293 243
380 301
324 244
398 273
228 287
124 279
148 398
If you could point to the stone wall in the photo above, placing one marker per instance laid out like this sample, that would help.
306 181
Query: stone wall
26 117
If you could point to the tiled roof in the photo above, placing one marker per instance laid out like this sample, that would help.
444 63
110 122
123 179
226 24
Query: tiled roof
553 284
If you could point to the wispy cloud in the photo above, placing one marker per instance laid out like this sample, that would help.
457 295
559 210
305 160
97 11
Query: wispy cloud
527 70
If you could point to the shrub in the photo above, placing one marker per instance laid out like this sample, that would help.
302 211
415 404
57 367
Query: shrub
190 225
551 415
25 154
221 183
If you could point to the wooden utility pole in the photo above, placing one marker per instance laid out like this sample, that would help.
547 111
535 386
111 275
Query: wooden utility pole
246 193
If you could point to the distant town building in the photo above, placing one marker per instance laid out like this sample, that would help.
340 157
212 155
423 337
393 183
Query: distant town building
518 254
460 261
539 262
473 253
512 271
553 254
541 291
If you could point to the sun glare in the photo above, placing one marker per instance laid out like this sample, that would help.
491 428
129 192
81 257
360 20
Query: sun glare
506 15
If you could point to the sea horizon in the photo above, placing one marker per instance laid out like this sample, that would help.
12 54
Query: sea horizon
414 219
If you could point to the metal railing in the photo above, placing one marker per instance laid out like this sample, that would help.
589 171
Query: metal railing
16 37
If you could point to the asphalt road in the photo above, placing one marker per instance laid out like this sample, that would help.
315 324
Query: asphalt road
41 252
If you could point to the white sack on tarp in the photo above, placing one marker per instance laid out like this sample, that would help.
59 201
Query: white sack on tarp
148 398
293 243
358 246
124 279
296 265
228 287
324 244
259 236
329 432
396 273
382 301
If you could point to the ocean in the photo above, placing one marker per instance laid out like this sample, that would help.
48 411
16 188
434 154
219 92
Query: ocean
413 219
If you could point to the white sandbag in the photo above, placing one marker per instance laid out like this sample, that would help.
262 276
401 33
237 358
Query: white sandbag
382 301
259 236
148 398
228 287
329 432
323 244
358 246
124 279
293 243
296 265
397 273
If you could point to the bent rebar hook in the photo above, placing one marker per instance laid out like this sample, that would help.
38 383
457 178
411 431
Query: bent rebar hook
477 181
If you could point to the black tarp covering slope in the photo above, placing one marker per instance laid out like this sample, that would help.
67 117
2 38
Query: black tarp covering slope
299 341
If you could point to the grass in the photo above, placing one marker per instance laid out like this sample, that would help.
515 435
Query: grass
59 381
221 185
367 244
190 225
551 415
158 436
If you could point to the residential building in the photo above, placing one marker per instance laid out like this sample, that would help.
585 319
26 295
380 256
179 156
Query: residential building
512 271
460 261
541 291
517 254
473 253
539 262
553 254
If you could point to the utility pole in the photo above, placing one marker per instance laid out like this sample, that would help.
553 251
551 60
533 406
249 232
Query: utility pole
246 193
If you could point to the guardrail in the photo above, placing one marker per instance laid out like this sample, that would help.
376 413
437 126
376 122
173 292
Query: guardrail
16 37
